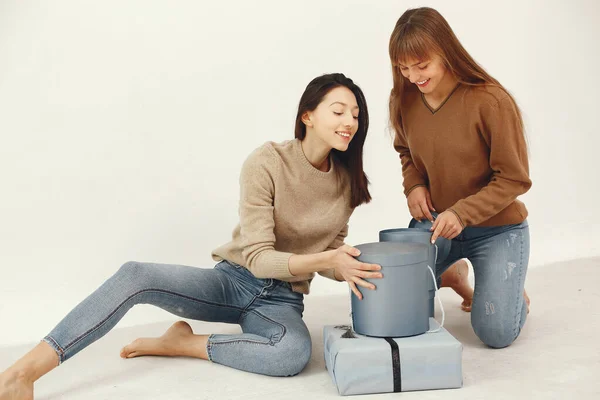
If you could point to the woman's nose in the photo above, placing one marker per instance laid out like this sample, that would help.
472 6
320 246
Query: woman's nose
413 78
349 121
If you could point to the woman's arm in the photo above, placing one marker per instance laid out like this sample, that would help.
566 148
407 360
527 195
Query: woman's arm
257 191
412 178
257 182
336 244
339 263
356 277
501 127
345 266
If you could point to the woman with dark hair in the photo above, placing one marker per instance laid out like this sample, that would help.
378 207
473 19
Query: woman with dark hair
295 202
463 152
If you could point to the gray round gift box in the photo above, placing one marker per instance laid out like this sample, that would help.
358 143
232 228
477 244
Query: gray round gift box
437 253
400 305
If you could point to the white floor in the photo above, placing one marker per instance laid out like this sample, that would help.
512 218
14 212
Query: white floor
557 355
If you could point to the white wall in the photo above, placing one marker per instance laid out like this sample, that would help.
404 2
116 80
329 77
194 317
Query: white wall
123 125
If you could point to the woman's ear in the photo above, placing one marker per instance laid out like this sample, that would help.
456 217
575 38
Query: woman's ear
307 119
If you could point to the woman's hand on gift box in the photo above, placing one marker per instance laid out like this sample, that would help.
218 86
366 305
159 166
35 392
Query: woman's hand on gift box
446 225
349 269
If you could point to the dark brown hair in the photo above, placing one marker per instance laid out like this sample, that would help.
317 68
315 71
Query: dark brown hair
351 159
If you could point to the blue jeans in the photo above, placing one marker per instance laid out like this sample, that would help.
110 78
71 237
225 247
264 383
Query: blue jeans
499 255
275 341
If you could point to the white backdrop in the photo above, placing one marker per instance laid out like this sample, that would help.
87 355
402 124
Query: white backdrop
123 126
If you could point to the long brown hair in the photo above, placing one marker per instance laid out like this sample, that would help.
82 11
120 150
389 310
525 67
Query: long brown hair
418 34
351 159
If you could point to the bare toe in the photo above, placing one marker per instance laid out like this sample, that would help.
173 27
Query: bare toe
130 350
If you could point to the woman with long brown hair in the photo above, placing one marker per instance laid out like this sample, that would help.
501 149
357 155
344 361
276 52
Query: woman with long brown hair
463 153
296 199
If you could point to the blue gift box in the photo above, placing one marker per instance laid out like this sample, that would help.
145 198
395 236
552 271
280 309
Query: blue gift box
361 364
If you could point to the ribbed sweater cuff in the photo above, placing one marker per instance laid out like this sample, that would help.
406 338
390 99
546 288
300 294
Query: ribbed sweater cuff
460 219
276 265
413 187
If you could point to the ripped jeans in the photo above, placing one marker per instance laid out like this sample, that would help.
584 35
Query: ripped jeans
499 255
275 341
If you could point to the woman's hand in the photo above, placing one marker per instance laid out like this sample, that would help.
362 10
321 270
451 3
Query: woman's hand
446 225
419 203
353 271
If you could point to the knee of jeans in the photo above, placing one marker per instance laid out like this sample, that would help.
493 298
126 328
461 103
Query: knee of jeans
294 352
131 271
496 337
129 268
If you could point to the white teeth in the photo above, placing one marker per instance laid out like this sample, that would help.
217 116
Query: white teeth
422 82
344 134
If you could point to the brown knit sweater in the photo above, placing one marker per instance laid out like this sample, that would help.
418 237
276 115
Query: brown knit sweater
470 152
287 207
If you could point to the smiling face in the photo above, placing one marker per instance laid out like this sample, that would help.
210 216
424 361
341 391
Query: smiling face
426 74
335 120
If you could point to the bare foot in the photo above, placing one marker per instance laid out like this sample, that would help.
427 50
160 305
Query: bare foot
526 300
14 388
169 344
456 277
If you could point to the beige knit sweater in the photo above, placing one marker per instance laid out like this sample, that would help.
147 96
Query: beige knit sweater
287 207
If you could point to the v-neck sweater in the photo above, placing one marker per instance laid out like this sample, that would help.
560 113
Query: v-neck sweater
470 152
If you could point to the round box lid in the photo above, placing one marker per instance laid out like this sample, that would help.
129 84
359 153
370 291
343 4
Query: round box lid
396 235
392 254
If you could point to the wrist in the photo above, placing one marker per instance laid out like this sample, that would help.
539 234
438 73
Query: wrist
330 263
329 258
309 263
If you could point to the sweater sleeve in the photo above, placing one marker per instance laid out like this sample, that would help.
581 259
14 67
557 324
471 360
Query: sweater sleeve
336 244
412 178
257 224
501 128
